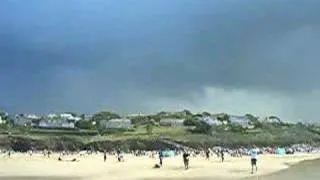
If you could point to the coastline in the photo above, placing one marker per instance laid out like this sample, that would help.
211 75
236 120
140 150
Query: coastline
307 170
22 167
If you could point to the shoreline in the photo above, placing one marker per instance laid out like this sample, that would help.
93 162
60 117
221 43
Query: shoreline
306 169
23 167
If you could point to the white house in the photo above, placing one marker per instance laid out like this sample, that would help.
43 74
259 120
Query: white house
52 115
69 116
2 121
212 121
56 124
172 122
240 120
75 118
66 115
21 120
272 119
32 116
69 125
116 124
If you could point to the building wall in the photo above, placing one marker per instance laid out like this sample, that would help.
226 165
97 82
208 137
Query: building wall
172 122
53 124
1 121
211 121
241 120
116 124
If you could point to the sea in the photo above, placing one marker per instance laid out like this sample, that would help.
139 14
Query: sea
306 170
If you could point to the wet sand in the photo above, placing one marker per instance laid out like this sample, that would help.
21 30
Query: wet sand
306 170
23 167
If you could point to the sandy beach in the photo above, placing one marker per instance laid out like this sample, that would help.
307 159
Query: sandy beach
92 167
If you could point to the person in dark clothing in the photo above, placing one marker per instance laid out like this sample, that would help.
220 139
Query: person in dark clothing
119 155
160 157
185 157
49 153
104 156
222 155
207 154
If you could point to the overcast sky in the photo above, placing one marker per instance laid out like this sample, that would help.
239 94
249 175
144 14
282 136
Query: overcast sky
234 56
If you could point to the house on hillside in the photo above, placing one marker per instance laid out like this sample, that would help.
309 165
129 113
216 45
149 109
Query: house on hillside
2 121
273 119
32 116
172 122
66 116
211 120
56 124
240 120
52 116
116 124
136 115
22 120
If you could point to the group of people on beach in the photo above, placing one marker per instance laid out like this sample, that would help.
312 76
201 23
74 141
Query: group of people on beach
220 153
185 156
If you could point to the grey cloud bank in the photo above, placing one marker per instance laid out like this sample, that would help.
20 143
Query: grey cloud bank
234 56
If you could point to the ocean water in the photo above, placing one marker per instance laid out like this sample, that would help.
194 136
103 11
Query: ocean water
306 170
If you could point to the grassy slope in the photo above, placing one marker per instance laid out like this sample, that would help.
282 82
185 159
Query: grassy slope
268 135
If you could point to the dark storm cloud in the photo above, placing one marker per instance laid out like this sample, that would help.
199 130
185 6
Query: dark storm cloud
85 55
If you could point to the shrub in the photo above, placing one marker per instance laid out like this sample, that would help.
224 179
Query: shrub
202 127
190 122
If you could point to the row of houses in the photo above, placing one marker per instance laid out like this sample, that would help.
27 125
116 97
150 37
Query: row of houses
67 120
169 122
64 120
56 124
212 121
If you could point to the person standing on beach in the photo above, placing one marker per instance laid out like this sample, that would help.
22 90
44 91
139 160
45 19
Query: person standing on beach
222 155
160 157
49 153
104 156
185 157
254 158
208 154
119 155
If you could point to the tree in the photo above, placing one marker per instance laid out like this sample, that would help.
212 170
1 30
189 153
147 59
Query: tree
191 122
83 124
206 114
83 116
187 112
202 127
3 114
236 128
104 115
254 121
223 117
149 127
140 120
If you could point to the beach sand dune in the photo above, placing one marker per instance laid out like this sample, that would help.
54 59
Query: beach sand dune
23 167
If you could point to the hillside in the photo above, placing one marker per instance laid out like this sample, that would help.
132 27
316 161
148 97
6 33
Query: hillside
269 135
151 132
